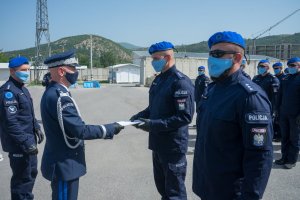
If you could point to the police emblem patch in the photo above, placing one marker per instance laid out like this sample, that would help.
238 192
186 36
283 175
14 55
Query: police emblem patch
8 95
259 136
12 109
181 106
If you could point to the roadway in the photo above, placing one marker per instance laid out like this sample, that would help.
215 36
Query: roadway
121 169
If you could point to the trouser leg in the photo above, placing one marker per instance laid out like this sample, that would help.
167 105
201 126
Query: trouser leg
65 190
285 133
24 172
294 141
174 172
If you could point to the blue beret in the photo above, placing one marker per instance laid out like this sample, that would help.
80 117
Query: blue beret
201 68
17 62
60 59
226 36
293 60
264 61
278 64
161 46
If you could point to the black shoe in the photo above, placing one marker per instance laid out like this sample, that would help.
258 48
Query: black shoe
280 162
289 165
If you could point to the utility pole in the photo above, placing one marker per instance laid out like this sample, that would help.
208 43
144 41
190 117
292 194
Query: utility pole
91 56
271 27
42 28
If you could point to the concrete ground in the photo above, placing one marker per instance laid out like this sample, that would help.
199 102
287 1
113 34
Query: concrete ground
121 169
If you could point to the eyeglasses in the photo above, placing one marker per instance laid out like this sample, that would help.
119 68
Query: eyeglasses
292 65
261 66
220 53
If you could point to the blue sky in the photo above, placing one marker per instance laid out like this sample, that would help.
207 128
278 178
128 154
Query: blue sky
143 22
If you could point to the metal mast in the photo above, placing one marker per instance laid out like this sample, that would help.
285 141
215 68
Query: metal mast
42 28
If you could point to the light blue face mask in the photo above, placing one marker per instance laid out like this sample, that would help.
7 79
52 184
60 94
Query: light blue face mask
23 76
218 66
293 70
200 73
159 65
261 70
277 71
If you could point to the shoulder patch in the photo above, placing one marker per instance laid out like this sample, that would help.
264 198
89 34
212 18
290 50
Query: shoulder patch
179 75
8 95
248 87
257 118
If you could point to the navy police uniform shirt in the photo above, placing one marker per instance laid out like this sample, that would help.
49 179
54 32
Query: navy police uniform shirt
201 84
280 76
59 161
290 95
233 151
270 84
17 117
171 109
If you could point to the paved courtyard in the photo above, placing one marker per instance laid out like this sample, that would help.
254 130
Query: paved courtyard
121 169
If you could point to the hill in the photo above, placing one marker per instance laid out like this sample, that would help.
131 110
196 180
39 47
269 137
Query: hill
201 47
105 51
129 46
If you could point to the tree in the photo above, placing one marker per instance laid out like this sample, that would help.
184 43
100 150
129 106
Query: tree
3 58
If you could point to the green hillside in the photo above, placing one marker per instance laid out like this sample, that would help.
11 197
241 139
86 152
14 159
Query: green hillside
201 47
105 52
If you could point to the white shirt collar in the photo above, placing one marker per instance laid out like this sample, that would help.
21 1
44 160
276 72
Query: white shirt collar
65 87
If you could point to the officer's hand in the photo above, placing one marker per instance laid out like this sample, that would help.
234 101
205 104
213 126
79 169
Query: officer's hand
145 126
134 117
112 129
117 128
32 150
40 135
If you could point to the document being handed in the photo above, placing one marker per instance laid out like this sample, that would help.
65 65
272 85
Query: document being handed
128 123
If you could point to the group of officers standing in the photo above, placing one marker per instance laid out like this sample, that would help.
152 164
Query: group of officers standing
235 117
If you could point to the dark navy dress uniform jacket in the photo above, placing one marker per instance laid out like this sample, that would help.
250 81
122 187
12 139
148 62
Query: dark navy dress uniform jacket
201 84
17 117
290 95
270 84
59 161
171 109
233 151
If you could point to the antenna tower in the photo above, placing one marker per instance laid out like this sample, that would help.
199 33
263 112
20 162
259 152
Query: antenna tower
42 29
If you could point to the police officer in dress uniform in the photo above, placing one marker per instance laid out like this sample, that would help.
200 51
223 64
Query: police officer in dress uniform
279 73
233 151
63 160
19 129
170 110
201 84
290 115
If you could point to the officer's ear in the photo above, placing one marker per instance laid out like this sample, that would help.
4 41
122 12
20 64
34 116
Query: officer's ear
167 57
61 71
237 58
